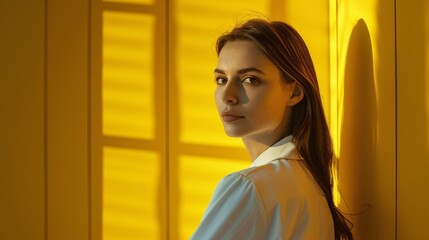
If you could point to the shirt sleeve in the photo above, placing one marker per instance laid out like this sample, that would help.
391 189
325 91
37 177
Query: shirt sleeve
235 212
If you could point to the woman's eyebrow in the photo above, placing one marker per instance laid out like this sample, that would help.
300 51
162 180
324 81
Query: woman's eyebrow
241 71
217 70
251 69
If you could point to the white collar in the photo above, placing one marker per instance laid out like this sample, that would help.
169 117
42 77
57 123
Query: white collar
283 149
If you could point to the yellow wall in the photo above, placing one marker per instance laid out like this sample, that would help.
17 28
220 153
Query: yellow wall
412 19
366 115
44 120
128 120
22 133
109 130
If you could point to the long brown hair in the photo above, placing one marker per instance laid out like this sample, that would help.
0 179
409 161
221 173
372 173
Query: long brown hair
287 50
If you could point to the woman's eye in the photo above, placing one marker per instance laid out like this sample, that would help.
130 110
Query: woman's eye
251 80
220 80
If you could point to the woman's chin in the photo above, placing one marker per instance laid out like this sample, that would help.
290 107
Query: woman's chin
234 134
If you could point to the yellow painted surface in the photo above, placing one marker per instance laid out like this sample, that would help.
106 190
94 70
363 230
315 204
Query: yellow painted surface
131 1
133 176
22 162
413 118
130 194
365 95
44 148
132 113
128 77
67 120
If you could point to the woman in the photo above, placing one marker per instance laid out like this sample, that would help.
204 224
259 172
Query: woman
267 94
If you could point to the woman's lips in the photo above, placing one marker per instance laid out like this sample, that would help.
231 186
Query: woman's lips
231 118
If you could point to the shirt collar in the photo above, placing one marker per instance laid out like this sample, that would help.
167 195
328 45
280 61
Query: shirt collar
283 149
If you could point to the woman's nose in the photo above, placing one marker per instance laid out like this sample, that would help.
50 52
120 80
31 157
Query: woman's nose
230 94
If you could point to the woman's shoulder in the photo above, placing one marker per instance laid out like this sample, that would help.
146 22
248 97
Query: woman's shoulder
280 176
279 169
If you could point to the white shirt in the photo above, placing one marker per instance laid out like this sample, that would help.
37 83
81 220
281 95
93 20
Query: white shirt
275 198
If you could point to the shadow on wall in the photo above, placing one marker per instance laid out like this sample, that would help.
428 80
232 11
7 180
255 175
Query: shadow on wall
358 133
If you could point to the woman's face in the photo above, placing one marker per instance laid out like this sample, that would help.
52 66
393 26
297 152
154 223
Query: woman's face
251 97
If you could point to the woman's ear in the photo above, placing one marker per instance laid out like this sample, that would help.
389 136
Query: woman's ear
296 96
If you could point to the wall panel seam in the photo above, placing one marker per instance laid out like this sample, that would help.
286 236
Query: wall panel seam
89 170
167 117
396 118
45 120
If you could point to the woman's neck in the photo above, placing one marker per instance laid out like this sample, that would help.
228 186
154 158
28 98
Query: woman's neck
255 146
